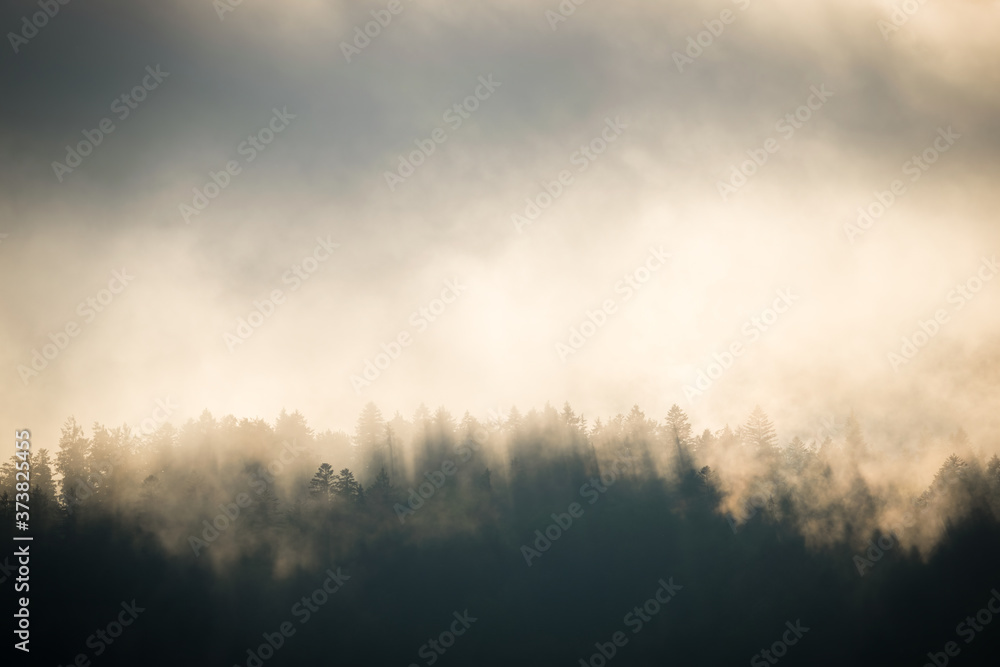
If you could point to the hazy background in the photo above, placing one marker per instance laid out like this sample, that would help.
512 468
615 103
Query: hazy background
495 346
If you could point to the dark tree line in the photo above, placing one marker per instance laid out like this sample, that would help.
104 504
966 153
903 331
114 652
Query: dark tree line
428 515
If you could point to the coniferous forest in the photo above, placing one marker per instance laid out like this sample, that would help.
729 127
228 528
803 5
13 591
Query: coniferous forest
505 333
542 538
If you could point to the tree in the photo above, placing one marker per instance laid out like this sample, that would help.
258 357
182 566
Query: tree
444 424
322 482
705 444
7 473
726 438
758 432
636 426
71 463
993 470
41 476
855 442
369 438
468 427
293 428
107 461
381 489
575 423
345 486
370 427
678 427
797 454
952 471
826 449
514 421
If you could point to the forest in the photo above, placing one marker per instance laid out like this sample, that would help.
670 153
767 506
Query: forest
534 539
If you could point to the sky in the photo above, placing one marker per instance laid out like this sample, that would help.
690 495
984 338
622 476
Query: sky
489 204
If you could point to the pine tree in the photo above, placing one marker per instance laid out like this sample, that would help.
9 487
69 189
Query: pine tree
758 432
636 426
381 489
369 439
370 427
514 421
797 454
705 444
345 486
952 471
993 471
322 482
8 472
569 418
71 463
292 428
855 442
41 477
726 438
678 428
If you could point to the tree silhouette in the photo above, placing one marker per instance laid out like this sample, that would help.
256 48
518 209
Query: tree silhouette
797 454
369 439
855 444
71 464
678 428
758 433
381 489
345 486
321 484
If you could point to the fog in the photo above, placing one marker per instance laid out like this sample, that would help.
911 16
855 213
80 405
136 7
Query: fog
497 207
